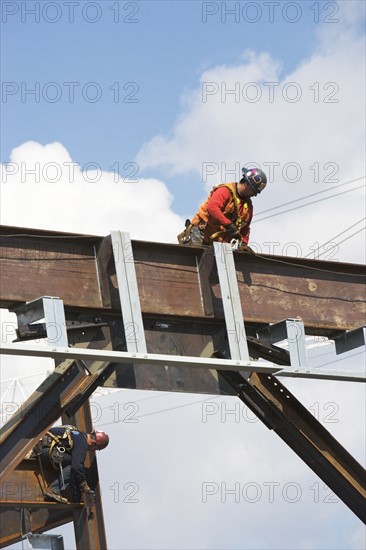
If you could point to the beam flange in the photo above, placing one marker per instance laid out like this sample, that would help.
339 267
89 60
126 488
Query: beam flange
180 361
350 340
139 358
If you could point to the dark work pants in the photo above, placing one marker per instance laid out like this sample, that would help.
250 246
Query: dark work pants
56 485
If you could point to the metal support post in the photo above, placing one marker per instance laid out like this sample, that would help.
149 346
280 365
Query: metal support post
231 302
293 331
49 308
54 314
128 292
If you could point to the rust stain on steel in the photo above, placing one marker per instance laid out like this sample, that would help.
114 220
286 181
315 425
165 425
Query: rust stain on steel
325 294
167 278
322 295
47 265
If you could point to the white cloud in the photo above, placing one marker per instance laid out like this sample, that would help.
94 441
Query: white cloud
325 120
317 142
43 187
171 454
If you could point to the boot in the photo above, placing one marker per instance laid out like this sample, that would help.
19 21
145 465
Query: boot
55 497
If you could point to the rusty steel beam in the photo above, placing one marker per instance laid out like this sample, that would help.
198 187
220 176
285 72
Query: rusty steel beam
68 264
179 281
183 315
22 505
279 410
36 415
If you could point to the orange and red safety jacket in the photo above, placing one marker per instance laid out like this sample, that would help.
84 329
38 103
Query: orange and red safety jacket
222 207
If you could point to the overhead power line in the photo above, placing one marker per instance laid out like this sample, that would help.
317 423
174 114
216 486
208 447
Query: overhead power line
311 195
344 240
308 204
339 235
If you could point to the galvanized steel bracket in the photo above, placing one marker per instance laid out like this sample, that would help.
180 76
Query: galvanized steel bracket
293 331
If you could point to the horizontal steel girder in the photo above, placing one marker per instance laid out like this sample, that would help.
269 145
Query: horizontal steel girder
151 359
179 281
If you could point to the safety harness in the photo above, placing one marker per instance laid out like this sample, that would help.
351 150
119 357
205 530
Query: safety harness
58 445
185 236
235 216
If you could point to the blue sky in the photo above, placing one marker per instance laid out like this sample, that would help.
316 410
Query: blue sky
160 47
163 52
152 102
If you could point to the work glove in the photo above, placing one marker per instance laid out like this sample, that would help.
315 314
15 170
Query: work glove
245 248
87 494
232 231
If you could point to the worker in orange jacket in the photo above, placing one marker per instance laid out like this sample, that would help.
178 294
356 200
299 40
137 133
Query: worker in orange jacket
227 212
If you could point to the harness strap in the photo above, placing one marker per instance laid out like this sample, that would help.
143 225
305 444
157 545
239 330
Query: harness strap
236 201
217 234
55 440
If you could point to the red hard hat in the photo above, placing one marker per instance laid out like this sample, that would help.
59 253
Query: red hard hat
101 439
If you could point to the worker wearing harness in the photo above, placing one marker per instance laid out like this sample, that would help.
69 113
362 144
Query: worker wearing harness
65 448
227 212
